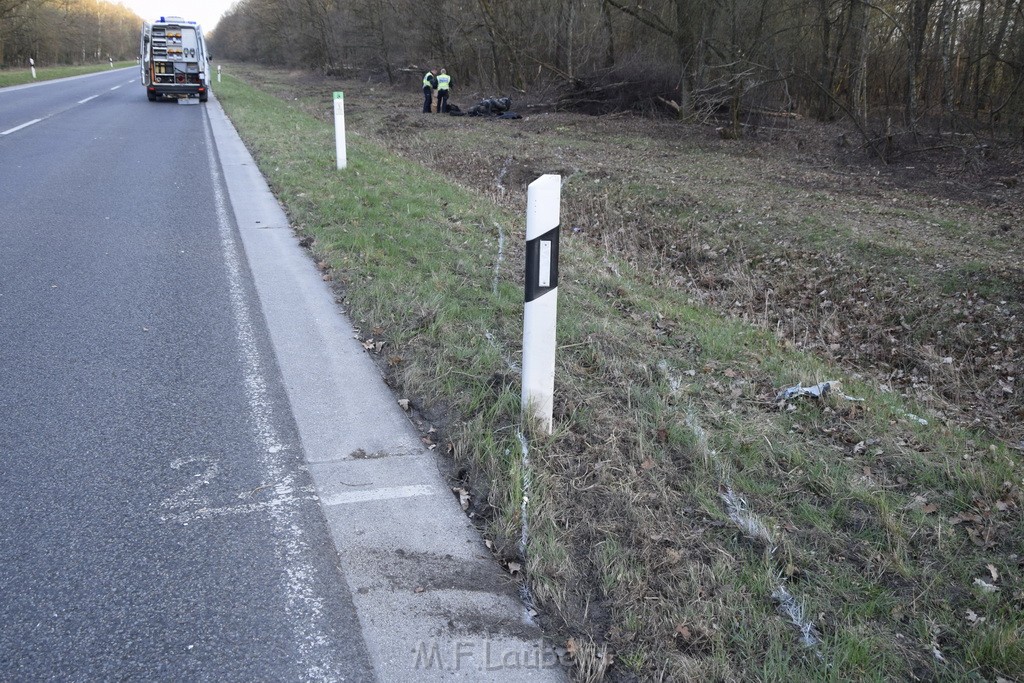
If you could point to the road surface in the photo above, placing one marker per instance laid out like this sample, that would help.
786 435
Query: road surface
183 415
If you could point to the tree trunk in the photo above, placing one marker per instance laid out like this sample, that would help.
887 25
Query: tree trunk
916 29
681 34
606 20
946 28
994 53
382 39
686 55
978 52
825 111
859 44
496 73
322 48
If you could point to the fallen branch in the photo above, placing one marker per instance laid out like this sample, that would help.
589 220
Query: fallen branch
674 105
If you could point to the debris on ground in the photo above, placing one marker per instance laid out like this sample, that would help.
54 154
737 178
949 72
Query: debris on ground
497 107
819 390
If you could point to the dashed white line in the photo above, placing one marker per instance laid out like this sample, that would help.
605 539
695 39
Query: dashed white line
24 125
29 123
379 494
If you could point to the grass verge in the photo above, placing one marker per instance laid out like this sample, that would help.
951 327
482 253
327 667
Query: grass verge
684 524
49 73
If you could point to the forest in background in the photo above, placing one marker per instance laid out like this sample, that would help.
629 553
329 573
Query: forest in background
887 66
950 66
64 32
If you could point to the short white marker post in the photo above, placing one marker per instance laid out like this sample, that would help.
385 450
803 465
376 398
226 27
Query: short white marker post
543 206
218 73
339 129
111 62
32 65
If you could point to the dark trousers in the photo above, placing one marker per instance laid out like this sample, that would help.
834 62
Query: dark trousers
427 90
442 100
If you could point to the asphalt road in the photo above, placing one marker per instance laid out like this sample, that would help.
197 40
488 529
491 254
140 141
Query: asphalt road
185 422
156 517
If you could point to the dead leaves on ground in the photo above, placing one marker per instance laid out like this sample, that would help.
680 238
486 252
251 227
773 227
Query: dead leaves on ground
984 522
375 344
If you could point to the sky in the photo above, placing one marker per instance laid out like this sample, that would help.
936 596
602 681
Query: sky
206 12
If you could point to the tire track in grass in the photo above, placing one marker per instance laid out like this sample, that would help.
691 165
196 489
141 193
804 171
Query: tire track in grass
746 521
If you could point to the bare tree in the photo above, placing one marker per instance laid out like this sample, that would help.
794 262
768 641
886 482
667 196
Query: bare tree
917 25
957 61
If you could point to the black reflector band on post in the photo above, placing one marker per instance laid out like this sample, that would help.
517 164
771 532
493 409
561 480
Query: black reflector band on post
542 264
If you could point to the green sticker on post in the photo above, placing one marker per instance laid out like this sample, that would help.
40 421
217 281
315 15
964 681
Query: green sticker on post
339 95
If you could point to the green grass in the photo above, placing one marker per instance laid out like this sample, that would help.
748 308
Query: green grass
982 279
662 407
21 76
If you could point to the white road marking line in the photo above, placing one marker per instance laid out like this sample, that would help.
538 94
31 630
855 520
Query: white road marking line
233 510
24 125
379 494
115 87
188 495
304 604
87 99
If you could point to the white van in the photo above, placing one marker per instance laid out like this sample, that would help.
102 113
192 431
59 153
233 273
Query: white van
173 59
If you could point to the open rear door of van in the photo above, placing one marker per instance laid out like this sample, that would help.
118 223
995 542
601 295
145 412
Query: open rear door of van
144 54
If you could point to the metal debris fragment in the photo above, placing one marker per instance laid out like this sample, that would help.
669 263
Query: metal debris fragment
819 390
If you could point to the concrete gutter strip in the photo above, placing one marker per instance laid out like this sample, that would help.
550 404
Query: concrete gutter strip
432 603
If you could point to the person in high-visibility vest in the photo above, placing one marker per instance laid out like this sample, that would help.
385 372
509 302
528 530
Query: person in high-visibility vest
429 85
444 84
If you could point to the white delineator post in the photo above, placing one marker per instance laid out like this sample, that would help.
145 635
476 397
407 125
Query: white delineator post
543 207
32 65
218 73
339 129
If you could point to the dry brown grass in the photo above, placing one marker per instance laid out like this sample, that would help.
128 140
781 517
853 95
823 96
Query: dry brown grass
679 504
891 270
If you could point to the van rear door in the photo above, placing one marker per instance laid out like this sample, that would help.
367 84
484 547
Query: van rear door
144 42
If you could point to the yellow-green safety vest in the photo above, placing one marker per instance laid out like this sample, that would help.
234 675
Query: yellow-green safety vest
442 81
427 81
